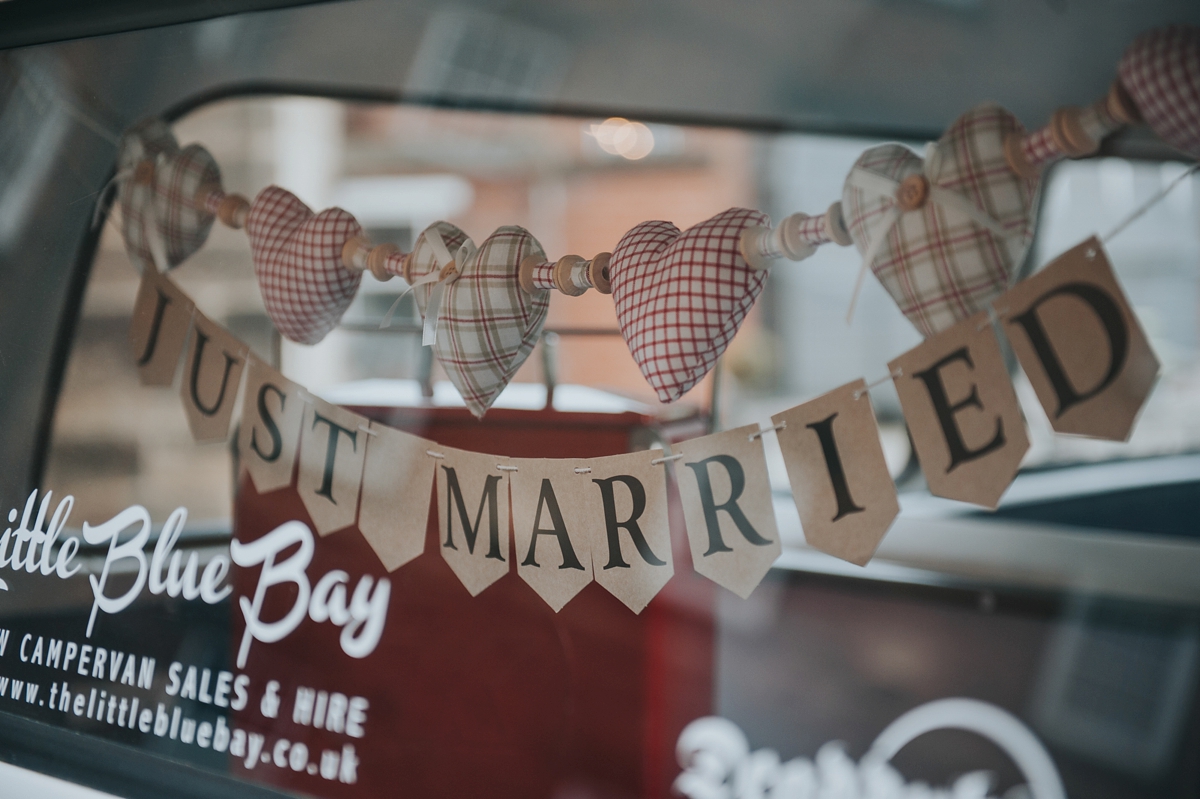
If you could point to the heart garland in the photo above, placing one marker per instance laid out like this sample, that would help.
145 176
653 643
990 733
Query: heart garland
298 263
680 297
480 322
158 183
947 233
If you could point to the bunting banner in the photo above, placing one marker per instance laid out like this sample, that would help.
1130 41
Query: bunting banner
562 523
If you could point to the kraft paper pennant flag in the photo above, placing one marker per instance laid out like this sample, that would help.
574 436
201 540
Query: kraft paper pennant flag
631 537
552 506
839 477
396 486
212 375
272 412
162 316
1078 340
332 449
727 505
962 413
473 516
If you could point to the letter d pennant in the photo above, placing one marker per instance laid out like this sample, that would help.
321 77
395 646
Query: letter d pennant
1075 334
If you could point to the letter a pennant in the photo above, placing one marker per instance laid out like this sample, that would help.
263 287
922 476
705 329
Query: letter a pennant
631 539
551 509
727 505
1081 345
473 516
835 464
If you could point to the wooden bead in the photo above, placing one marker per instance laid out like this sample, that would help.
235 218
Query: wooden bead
525 273
562 276
835 226
1121 106
913 192
1069 136
597 273
377 261
354 253
1014 153
144 172
233 210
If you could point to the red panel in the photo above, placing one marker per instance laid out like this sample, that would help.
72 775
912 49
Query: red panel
494 695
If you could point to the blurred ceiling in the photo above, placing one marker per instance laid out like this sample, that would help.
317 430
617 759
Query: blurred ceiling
877 67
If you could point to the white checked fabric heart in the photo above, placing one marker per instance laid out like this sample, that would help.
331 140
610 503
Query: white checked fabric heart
943 261
1161 72
681 297
436 248
158 182
488 325
298 263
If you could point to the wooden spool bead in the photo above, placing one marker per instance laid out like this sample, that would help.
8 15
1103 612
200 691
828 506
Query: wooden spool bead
1120 105
231 209
1073 132
360 255
598 273
835 226
795 238
144 172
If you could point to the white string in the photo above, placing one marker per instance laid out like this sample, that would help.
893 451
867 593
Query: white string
583 470
1146 206
759 434
433 454
367 430
73 110
115 180
432 277
504 468
665 458
858 392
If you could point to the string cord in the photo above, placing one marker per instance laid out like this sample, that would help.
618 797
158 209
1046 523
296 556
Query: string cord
1141 210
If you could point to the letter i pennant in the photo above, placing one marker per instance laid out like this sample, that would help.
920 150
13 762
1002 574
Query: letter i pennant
1078 340
839 477
473 516
962 413
727 505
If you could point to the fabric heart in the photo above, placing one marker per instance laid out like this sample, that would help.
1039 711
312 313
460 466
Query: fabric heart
1161 72
158 184
944 256
298 263
434 249
486 324
681 297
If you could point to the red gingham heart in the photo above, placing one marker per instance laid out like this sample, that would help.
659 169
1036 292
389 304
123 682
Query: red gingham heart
298 263
939 262
160 196
681 297
1161 72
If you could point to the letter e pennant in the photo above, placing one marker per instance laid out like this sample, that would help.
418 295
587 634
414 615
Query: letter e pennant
272 412
1077 339
727 505
162 315
631 539
473 516
839 478
332 447
551 509
962 413
211 378
396 486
